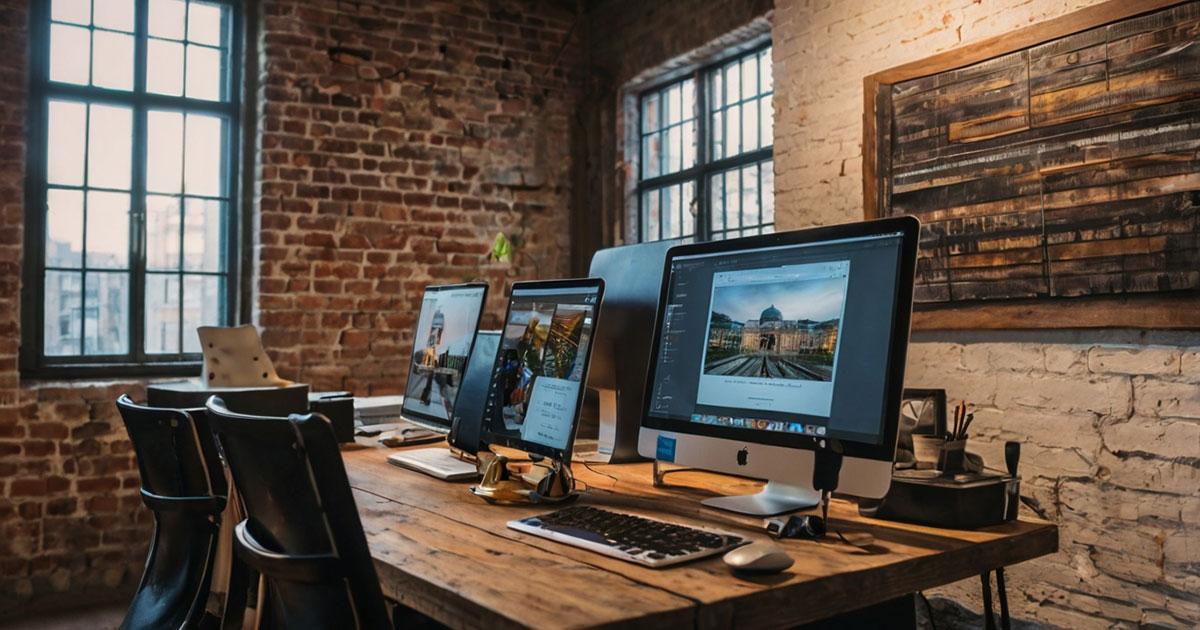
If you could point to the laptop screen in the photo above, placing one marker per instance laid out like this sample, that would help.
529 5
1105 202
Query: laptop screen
442 345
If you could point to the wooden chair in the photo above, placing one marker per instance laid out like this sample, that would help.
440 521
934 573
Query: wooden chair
183 483
302 530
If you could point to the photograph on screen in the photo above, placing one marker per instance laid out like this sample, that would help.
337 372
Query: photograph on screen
445 330
772 338
541 369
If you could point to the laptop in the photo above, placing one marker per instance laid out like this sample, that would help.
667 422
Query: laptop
459 461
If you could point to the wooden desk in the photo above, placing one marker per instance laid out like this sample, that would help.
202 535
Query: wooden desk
444 552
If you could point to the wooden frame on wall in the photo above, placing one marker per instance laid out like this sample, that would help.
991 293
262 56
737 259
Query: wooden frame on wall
1168 310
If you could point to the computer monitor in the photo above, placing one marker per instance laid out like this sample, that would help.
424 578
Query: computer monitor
442 343
622 348
539 374
467 423
770 348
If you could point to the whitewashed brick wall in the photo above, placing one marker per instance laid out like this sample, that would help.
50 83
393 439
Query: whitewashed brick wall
1109 421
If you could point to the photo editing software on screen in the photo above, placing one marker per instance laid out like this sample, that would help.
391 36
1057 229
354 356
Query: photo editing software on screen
540 365
441 347
790 339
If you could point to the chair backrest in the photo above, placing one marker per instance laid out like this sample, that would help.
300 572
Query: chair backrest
183 483
302 530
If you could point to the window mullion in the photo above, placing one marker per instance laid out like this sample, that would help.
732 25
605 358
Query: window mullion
137 201
702 156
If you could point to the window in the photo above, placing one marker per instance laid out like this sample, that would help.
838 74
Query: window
706 168
132 164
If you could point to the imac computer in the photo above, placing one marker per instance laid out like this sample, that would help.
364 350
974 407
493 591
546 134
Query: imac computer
622 347
538 377
771 350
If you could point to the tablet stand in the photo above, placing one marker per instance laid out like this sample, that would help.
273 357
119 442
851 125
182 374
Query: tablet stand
499 486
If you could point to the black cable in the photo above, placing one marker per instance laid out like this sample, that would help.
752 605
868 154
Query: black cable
615 480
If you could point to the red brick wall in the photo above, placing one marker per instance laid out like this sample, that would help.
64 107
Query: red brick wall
368 190
373 189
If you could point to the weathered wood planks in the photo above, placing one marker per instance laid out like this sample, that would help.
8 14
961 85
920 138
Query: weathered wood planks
1069 167
449 555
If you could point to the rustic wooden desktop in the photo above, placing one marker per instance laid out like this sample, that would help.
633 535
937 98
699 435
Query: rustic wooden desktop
445 553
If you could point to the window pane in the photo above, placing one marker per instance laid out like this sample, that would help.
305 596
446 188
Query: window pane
110 141
162 232
718 139
766 78
674 149
164 162
107 230
768 191
674 105
166 18
164 67
69 54
202 162
733 191
733 126
750 195
767 116
201 307
77 11
64 228
106 313
112 54
63 305
733 81
114 14
650 113
749 77
717 200
750 131
202 234
204 23
717 93
203 73
162 313
650 156
650 203
670 212
65 143
689 144
689 99
689 209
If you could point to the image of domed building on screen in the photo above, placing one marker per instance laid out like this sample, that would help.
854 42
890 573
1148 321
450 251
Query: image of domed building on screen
772 343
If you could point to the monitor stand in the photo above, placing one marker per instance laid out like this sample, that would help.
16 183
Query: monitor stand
775 498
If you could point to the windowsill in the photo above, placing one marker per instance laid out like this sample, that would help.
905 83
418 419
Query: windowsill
110 373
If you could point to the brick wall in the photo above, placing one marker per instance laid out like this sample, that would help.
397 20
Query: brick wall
385 165
370 190
1109 420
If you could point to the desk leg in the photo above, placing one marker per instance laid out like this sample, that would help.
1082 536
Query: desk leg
894 614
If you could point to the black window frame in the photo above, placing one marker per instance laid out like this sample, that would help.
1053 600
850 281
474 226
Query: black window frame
705 167
33 362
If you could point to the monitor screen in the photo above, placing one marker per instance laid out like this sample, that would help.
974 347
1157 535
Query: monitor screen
540 369
781 344
442 345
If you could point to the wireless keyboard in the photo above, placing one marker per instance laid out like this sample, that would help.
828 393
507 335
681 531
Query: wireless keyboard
631 538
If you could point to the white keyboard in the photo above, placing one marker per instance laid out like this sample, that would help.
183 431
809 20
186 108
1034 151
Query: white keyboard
437 462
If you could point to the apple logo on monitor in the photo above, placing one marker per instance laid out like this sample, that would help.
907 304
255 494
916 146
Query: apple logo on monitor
741 456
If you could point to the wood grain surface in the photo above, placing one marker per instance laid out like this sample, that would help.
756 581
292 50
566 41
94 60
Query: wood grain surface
446 553
1067 167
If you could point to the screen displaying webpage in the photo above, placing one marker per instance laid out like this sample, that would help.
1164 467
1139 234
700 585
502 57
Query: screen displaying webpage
540 366
441 347
772 338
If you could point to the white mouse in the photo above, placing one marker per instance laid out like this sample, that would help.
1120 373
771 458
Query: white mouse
759 557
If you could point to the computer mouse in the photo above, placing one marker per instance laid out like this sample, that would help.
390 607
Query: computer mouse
759 557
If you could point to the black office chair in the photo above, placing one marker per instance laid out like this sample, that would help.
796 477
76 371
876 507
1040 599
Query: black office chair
302 530
183 483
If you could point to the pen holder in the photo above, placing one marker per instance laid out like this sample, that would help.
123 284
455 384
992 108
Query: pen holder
950 459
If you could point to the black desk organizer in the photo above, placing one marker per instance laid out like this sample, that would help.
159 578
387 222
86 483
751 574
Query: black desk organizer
956 501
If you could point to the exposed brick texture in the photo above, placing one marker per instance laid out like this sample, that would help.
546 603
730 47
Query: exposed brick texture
395 143
371 190
1107 420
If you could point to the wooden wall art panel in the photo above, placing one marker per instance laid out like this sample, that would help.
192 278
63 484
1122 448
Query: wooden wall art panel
1053 172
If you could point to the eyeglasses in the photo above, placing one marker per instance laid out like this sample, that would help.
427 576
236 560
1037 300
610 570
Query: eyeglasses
809 526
